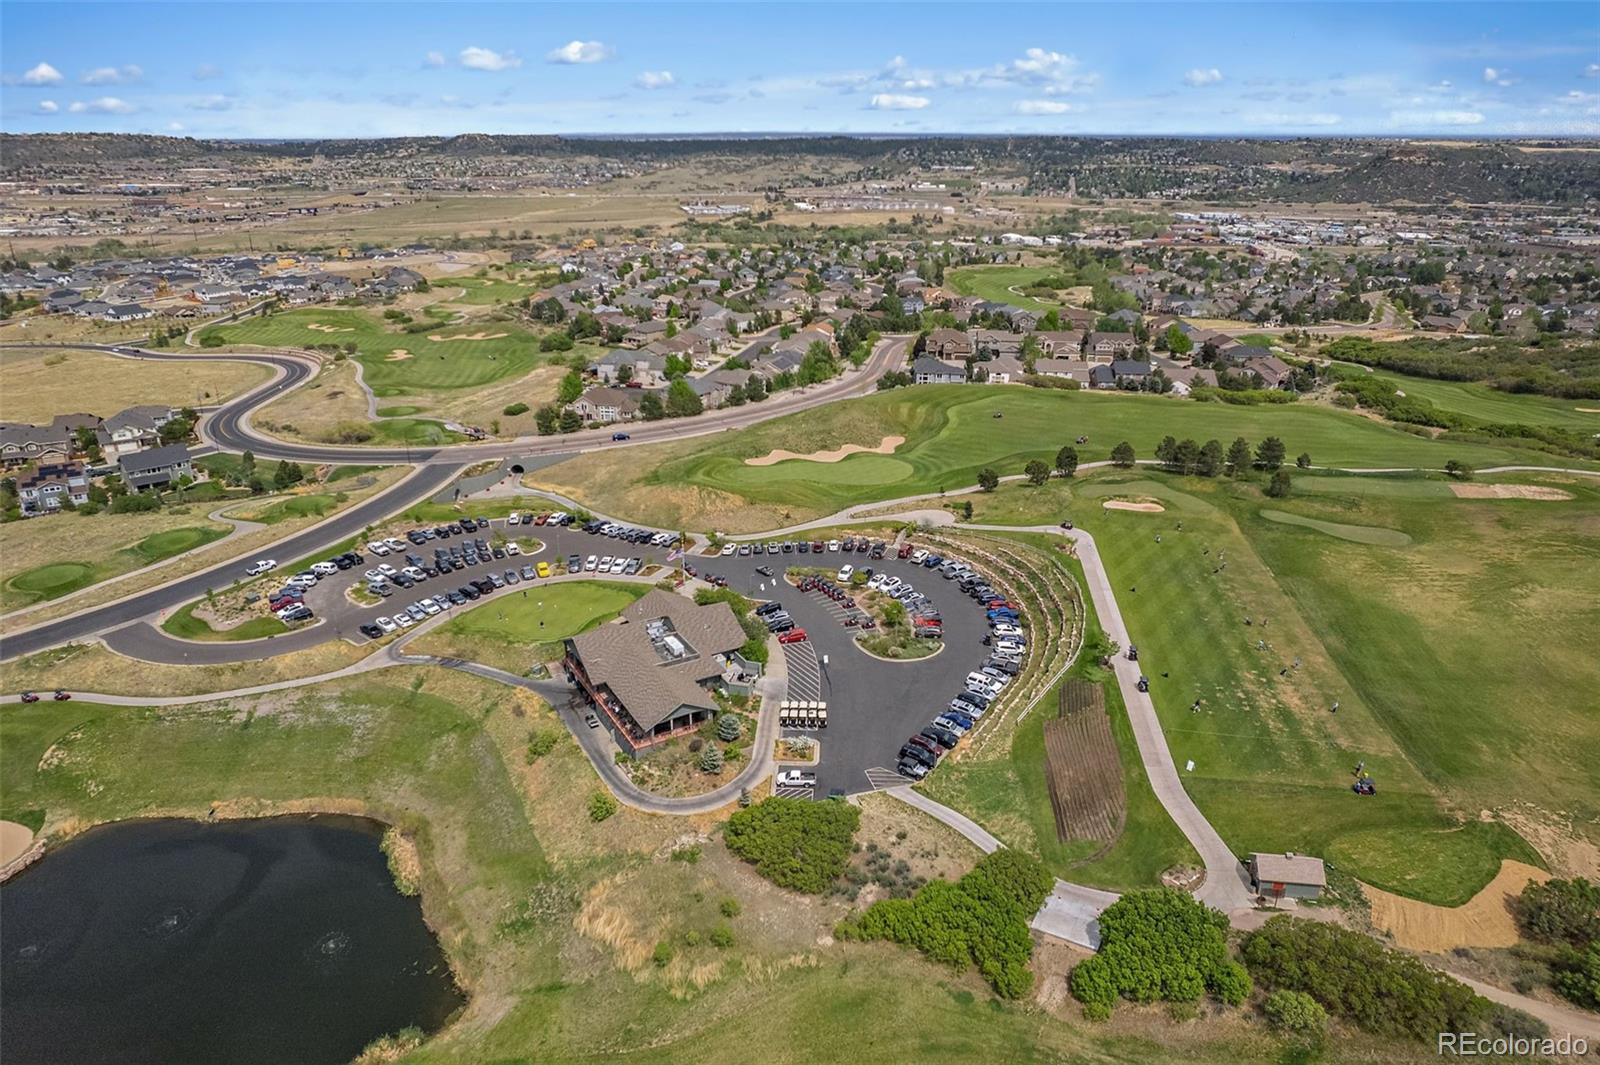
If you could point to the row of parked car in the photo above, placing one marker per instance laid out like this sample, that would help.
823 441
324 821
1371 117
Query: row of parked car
421 536
922 752
778 620
428 606
288 603
875 549
630 533
559 517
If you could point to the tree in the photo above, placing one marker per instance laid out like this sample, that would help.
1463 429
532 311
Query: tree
1459 470
571 421
1270 453
795 843
1211 459
1186 456
1280 484
711 759
681 400
650 407
1159 946
1122 455
1560 911
1167 452
729 728
1037 472
1178 342
1067 461
1238 457
570 389
1303 460
547 419
287 474
1296 1013
988 480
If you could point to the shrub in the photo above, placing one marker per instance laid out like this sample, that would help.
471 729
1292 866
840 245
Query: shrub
1355 977
729 908
1560 911
981 919
1295 1013
601 806
711 759
1577 976
729 728
513 409
1159 946
795 843
662 954
541 741
722 937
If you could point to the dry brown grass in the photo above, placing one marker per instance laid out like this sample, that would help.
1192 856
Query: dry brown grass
37 384
314 410
85 668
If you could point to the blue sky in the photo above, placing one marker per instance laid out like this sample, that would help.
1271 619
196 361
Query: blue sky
378 69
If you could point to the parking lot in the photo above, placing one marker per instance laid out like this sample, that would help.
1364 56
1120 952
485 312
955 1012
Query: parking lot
874 705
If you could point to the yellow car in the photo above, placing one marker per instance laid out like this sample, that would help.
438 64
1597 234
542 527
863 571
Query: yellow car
544 569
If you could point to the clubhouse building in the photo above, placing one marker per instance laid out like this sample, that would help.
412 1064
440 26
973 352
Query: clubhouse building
650 675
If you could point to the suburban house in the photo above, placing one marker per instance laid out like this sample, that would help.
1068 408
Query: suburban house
1287 875
47 488
157 467
1005 370
650 675
1071 369
1130 371
948 344
1111 344
642 366
1101 376
1060 342
606 404
21 442
134 429
1185 378
714 388
988 343
1274 372
926 371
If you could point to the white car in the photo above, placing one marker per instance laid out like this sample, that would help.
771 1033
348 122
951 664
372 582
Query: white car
728 549
324 569
302 580
415 573
377 547
513 549
385 624
386 569
515 518
918 556
260 566
605 563
844 573
395 543
375 576
796 778
833 545
619 564
405 621
429 607
591 562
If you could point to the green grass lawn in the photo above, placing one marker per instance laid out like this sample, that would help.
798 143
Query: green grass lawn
1492 406
447 364
487 290
996 282
516 631
951 433
55 579
184 625
315 505
1451 707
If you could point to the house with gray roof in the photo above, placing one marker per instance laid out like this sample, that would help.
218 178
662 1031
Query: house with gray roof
156 467
926 371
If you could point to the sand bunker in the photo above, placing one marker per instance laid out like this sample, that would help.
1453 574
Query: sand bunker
1484 921
886 447
440 337
318 327
397 355
1509 491
1123 504
1587 410
15 840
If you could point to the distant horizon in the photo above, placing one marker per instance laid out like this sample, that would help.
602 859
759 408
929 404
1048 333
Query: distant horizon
363 70
712 134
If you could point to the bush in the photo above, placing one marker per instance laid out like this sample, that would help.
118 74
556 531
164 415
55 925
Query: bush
722 937
601 806
1560 911
513 409
729 728
729 908
1295 1013
1159 946
662 954
1577 976
981 919
711 759
541 742
795 843
1355 977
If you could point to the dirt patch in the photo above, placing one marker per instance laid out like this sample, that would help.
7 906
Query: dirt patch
318 327
440 337
1509 491
397 355
1483 921
885 447
1587 410
1124 504
15 840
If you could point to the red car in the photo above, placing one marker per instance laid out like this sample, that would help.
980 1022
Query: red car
540 519
792 636
904 552
1001 604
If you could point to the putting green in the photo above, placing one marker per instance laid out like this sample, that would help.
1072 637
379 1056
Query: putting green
856 471
50 581
157 546
545 612
1360 534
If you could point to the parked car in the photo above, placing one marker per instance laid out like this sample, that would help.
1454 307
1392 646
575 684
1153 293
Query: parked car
796 778
793 636
260 566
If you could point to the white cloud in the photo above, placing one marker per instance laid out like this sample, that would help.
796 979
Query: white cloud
475 58
1592 70
894 101
175 127
580 52
48 107
43 74
1435 118
1280 119
1199 78
1042 107
213 102
112 75
1498 76
434 59
104 105
207 72
655 79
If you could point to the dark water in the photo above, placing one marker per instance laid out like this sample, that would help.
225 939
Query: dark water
280 940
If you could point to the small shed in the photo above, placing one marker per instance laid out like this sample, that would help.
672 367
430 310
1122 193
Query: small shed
1287 875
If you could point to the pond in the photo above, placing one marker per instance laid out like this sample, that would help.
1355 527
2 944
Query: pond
226 943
